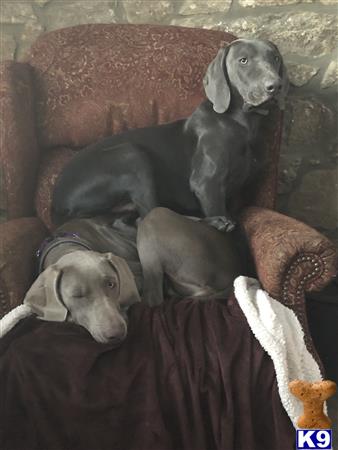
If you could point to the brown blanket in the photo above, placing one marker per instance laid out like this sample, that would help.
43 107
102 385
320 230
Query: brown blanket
189 376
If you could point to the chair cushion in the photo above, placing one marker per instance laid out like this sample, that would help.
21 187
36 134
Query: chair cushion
96 80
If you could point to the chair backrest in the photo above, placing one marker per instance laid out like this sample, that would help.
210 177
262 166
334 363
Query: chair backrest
92 81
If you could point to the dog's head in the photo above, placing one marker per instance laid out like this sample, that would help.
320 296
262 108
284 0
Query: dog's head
91 289
254 68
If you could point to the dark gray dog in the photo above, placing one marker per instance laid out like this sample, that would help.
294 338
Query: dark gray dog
90 271
193 166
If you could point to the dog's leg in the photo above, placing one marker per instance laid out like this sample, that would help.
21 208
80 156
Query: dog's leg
221 223
142 189
212 197
208 181
152 292
151 265
144 199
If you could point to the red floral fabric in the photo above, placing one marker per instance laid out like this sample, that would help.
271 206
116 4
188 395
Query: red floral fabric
96 80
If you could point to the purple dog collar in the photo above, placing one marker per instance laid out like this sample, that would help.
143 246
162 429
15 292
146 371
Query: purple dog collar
53 241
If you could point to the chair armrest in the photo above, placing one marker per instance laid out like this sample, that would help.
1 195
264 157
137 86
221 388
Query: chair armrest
19 240
290 257
19 151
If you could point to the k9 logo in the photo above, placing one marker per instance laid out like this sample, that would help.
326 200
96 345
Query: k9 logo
314 439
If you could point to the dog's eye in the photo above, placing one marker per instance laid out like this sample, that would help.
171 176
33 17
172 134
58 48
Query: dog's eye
243 60
277 59
111 284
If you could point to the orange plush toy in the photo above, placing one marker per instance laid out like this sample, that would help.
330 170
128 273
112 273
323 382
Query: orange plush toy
313 396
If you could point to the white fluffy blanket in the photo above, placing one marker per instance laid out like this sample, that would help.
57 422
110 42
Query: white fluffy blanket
13 317
279 332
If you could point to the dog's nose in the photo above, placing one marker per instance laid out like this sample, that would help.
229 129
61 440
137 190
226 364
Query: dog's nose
119 333
272 87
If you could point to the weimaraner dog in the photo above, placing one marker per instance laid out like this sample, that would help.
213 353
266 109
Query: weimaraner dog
188 257
91 269
194 166
82 282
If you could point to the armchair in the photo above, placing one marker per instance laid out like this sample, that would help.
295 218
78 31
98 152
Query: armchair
82 83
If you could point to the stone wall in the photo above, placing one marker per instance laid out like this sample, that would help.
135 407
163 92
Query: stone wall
305 32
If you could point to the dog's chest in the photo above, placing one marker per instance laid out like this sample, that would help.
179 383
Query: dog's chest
240 167
246 158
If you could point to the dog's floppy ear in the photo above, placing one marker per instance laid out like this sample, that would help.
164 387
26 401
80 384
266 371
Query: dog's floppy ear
44 298
128 292
283 73
215 83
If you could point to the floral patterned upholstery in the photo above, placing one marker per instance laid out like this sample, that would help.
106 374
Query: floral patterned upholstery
95 80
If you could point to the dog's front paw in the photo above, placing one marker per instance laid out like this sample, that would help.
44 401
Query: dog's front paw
221 223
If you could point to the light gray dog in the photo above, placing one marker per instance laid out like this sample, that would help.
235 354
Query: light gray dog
187 256
91 269
82 281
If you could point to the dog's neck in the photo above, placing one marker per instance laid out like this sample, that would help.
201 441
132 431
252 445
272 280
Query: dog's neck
247 115
56 249
248 120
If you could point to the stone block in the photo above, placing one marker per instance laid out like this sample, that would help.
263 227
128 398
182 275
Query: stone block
254 3
16 12
140 11
288 173
315 200
308 135
304 33
331 75
300 74
66 14
8 46
31 31
309 124
189 7
41 2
